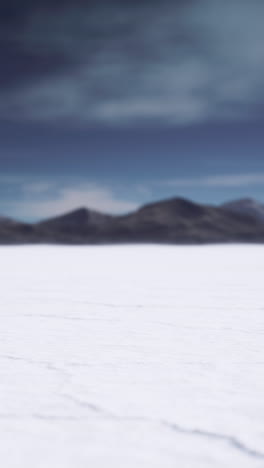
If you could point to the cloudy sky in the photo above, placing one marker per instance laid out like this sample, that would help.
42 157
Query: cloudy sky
114 103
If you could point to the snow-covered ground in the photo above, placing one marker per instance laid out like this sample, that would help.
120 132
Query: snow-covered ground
132 357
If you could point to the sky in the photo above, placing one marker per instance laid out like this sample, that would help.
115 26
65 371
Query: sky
113 104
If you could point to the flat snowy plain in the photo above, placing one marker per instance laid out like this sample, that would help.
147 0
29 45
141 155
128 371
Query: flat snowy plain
132 357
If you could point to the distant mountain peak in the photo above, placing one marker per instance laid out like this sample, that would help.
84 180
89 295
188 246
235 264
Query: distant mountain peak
80 215
6 220
173 221
246 206
246 200
177 205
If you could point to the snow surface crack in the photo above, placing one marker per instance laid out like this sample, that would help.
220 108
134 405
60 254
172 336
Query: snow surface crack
91 406
62 373
228 439
231 440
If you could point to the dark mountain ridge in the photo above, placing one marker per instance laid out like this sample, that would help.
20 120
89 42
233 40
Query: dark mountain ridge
246 206
173 221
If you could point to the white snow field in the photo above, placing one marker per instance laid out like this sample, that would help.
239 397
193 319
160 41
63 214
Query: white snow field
132 357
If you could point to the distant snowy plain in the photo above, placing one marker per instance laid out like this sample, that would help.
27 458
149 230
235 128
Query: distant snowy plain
132 357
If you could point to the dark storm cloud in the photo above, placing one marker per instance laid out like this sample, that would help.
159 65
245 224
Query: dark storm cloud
123 62
22 64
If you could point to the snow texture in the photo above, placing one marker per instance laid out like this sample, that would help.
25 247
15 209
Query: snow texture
136 357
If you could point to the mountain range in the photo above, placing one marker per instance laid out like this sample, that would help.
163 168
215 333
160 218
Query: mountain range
173 221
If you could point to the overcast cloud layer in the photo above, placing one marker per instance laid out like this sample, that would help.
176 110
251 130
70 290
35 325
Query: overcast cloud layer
124 62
